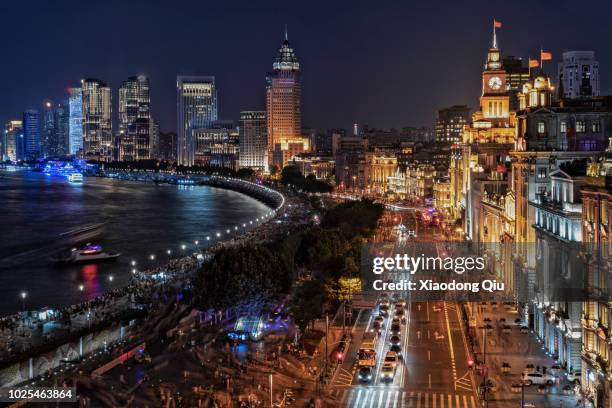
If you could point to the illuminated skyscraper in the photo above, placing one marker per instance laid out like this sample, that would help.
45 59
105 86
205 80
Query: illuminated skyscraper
75 125
283 105
134 119
31 134
253 140
196 109
13 141
450 123
55 130
97 120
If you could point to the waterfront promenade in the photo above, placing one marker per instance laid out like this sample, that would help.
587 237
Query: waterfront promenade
25 334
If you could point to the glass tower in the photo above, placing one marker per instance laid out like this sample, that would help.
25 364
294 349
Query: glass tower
196 109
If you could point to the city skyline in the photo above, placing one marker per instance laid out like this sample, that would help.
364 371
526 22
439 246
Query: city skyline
327 101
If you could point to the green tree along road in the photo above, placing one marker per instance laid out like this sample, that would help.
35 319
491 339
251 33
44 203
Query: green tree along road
254 275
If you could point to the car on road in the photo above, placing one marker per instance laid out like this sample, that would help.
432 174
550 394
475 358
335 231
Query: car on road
391 358
411 233
379 319
376 327
524 329
383 310
387 373
538 379
396 344
574 377
396 320
396 329
506 328
401 314
365 374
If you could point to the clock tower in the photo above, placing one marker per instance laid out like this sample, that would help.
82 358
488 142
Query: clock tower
495 101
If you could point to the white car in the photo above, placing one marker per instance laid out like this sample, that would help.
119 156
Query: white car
538 378
387 372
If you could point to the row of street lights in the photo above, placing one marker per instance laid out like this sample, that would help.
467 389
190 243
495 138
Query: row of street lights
169 252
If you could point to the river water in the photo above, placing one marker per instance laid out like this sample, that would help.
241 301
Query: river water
139 219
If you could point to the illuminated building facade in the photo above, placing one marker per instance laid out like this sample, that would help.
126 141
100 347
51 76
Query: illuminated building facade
378 167
13 149
55 130
135 119
283 107
31 134
320 167
75 124
196 109
483 160
216 145
254 140
450 123
597 312
97 120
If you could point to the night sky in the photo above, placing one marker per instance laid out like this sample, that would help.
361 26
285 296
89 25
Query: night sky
388 64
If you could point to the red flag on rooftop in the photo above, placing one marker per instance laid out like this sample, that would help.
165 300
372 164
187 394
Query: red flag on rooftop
497 24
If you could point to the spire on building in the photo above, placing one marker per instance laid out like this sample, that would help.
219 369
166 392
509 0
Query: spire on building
286 59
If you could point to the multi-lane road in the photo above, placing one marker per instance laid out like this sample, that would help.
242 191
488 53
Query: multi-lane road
433 370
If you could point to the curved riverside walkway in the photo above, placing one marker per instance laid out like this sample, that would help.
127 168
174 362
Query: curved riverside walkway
22 336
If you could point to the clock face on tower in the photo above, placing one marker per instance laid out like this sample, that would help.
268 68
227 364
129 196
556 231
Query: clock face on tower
495 83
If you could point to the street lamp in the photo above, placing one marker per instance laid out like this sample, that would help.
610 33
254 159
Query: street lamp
169 252
23 296
152 256
110 278
133 262
183 247
81 287
196 242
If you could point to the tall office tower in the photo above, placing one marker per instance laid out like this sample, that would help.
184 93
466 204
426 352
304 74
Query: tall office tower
55 130
167 146
578 75
450 123
62 126
283 101
154 138
49 134
97 120
254 140
13 141
517 74
31 134
75 124
196 109
134 119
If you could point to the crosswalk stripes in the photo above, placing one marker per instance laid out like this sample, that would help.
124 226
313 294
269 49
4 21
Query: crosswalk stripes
395 398
464 383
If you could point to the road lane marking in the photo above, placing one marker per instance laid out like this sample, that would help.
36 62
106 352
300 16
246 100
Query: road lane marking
457 400
465 404
450 343
450 401
473 402
380 398
441 400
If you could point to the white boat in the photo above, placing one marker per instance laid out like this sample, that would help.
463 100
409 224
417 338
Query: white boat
75 178
88 253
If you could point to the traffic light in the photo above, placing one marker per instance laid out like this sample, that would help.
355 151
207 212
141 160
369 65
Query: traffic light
339 356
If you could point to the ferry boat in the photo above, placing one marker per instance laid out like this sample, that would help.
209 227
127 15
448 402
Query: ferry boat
88 253
75 178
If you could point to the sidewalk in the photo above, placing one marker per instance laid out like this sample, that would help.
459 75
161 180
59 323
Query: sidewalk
516 349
